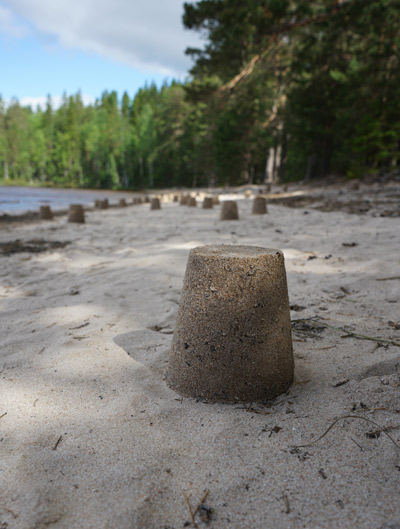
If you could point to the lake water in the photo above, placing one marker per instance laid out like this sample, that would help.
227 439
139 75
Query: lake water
16 200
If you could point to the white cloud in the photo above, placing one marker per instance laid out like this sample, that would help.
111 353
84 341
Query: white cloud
143 34
56 101
9 25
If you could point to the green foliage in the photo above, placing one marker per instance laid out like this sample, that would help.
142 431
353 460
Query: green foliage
281 89
113 144
324 74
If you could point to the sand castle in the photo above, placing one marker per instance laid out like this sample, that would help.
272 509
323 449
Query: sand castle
232 339
76 214
122 203
192 202
45 213
155 203
354 186
259 206
208 203
229 210
101 203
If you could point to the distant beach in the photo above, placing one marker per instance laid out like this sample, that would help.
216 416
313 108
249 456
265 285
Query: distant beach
16 200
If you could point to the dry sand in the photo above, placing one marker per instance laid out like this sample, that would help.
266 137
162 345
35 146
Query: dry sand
91 436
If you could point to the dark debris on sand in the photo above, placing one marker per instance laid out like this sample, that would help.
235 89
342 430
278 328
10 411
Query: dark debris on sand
32 246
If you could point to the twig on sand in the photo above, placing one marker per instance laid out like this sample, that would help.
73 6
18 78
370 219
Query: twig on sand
388 278
12 512
79 326
381 429
376 433
287 504
355 442
1 416
57 443
193 513
190 508
372 409
351 333
261 412
203 499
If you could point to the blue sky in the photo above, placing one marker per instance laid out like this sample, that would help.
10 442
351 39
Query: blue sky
57 46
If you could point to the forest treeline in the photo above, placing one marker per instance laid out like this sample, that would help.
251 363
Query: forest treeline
282 90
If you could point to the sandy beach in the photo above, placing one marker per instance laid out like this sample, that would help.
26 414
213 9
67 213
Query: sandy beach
92 437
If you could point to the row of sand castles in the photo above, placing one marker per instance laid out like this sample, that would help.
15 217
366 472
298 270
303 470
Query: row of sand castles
229 210
76 212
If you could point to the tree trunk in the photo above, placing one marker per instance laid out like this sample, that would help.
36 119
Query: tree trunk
80 175
269 167
252 172
211 179
246 173
141 169
282 167
276 161
125 179
6 175
311 164
151 178
30 173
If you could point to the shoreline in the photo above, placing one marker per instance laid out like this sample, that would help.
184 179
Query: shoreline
376 198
